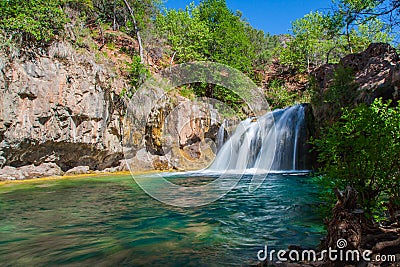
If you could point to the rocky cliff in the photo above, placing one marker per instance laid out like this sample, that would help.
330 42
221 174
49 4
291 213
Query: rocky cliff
61 112
357 78
61 107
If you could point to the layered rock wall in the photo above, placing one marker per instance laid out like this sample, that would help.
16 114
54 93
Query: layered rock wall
376 74
62 108
61 113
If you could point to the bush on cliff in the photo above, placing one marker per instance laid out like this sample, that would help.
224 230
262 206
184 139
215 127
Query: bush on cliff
362 150
36 21
31 20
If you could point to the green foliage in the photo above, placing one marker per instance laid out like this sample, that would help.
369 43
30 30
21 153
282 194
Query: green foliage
230 43
343 90
372 31
324 38
186 33
315 42
362 150
220 93
263 46
212 32
278 96
187 91
138 73
85 7
32 20
116 11
362 21
341 93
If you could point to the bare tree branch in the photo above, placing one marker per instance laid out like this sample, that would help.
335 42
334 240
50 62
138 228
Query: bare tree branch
141 50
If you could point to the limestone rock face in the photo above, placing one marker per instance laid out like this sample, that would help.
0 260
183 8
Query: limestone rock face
178 134
64 107
61 108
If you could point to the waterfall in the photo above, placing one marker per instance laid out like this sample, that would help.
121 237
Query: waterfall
274 141
221 136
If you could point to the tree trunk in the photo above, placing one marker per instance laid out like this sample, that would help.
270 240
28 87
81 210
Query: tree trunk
115 16
141 50
348 38
345 226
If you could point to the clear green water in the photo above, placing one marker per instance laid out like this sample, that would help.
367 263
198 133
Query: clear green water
110 221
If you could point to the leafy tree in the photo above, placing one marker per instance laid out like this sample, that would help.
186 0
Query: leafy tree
324 38
348 10
130 16
372 31
315 38
362 150
32 20
230 43
186 33
115 13
210 31
138 73
263 46
341 93
358 13
84 6
278 96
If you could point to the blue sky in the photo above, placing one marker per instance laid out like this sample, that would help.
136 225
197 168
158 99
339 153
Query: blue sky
272 16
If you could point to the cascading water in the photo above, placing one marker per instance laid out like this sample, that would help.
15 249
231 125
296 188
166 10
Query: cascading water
221 136
274 142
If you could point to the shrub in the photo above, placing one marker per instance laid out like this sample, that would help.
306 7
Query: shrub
362 150
137 74
32 20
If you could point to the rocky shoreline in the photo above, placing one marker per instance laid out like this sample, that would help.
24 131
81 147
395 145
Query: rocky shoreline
88 175
46 170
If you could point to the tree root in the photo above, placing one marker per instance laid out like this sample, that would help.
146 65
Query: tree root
374 238
382 245
390 230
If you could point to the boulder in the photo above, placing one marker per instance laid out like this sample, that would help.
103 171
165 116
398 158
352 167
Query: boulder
30 172
10 173
43 170
78 170
62 109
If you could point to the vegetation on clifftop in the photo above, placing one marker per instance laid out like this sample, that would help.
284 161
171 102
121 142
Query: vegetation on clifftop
209 31
349 27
